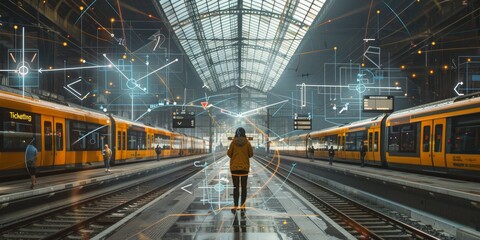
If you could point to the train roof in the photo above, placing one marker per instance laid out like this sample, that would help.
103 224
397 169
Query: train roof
443 105
34 100
355 124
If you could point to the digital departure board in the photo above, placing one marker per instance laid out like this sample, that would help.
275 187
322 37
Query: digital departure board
378 103
183 119
302 121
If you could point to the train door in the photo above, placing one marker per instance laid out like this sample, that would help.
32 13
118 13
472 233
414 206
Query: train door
438 141
53 131
425 143
373 154
47 148
59 141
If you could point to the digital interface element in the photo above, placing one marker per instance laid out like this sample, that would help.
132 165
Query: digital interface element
24 65
182 119
378 103
302 121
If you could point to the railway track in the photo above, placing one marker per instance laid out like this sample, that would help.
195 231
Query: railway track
87 218
357 218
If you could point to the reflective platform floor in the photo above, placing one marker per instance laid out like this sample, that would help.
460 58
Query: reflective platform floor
200 208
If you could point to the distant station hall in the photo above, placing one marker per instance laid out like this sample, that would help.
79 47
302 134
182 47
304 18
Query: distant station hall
246 119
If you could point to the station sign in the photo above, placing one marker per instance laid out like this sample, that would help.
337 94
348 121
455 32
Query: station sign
378 103
302 121
183 119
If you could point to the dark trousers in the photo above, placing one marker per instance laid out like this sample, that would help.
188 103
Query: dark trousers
237 180
106 162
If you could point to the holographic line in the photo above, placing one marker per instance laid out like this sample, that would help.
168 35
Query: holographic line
78 96
72 68
123 74
176 60
84 11
84 136
342 86
23 61
283 183
399 19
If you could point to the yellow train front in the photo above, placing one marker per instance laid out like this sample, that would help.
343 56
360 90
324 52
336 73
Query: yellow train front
69 137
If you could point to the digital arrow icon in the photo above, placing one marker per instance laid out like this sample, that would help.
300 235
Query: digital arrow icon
74 92
455 89
183 188
240 86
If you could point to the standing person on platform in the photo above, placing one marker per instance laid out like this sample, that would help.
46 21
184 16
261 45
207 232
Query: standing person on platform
158 151
31 162
107 153
363 152
240 152
331 154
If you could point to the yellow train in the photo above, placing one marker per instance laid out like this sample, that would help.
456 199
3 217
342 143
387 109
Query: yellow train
441 137
69 137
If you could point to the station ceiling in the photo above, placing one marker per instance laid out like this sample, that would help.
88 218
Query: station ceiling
240 42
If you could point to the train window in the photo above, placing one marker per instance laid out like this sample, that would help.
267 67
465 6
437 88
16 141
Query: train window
17 130
124 140
375 142
83 136
426 139
438 137
353 140
402 138
370 142
119 140
136 140
59 136
162 140
48 135
465 135
331 140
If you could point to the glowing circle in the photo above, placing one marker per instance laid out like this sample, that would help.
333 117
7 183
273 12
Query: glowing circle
219 187
132 83
361 88
23 70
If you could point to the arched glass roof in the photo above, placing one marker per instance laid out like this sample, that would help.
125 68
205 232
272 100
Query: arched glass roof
241 42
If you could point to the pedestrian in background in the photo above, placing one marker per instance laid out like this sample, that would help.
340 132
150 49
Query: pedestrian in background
363 152
331 154
31 162
158 151
240 152
107 153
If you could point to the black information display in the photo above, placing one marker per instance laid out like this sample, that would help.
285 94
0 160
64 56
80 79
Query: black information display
378 104
183 119
302 121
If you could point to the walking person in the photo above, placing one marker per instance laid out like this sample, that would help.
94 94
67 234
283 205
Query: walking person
331 154
363 152
158 151
240 151
107 153
31 162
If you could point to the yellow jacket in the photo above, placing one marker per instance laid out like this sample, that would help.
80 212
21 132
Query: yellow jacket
240 152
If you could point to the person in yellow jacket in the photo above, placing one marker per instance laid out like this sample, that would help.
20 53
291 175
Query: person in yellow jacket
240 152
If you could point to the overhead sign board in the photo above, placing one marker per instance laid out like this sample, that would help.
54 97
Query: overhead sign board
302 121
182 119
378 103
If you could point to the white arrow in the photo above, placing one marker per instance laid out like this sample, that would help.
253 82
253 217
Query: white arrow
183 188
8 70
455 89
240 86
72 68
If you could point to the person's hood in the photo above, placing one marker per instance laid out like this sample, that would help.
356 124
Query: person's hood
240 141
